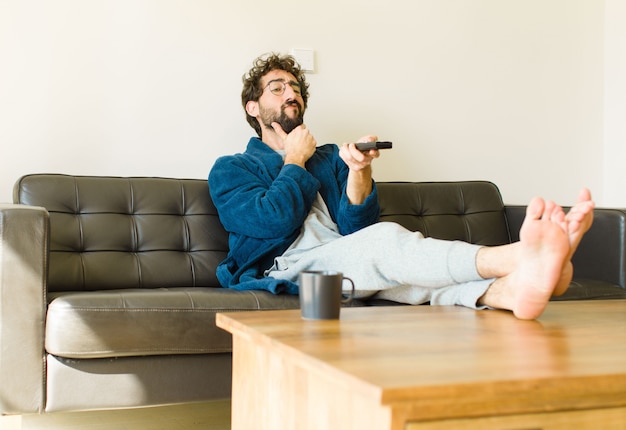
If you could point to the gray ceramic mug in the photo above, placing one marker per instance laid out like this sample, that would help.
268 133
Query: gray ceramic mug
320 294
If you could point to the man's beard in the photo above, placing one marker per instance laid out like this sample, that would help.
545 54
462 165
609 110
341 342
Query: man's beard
287 123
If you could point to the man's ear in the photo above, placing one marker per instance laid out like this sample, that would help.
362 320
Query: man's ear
252 108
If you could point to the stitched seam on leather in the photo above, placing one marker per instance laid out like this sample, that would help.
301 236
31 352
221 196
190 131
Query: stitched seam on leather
81 235
122 302
464 214
256 298
135 234
421 214
159 310
125 351
192 267
187 243
44 292
191 302
125 309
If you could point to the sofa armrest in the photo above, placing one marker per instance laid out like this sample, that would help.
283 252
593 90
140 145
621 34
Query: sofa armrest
23 272
601 254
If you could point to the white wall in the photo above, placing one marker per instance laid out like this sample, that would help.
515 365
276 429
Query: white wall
510 91
615 104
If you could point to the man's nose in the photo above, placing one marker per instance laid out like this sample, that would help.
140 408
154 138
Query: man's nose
292 94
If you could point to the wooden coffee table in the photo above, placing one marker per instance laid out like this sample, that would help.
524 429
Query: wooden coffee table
423 367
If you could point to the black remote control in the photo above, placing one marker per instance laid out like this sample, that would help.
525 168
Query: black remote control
366 146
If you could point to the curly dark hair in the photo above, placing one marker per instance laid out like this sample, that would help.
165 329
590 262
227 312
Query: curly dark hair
264 64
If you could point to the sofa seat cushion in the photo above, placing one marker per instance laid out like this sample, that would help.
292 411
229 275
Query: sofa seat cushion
591 289
116 323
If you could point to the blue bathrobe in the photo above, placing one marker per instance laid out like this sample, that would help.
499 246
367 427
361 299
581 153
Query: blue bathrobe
263 204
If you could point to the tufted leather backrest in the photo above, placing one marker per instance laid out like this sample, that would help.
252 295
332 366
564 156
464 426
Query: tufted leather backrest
115 233
111 232
471 211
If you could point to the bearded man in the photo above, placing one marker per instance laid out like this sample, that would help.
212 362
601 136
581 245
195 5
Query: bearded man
290 205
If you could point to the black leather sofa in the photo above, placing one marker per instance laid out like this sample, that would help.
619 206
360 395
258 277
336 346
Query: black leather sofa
108 292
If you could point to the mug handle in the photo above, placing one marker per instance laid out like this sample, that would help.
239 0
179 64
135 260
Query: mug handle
351 296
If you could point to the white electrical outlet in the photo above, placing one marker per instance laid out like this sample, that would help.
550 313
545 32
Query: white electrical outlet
306 59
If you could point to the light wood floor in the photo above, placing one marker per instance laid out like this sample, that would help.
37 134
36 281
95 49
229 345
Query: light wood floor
206 416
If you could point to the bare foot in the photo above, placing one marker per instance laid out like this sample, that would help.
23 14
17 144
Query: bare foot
541 263
542 258
566 278
544 248
579 220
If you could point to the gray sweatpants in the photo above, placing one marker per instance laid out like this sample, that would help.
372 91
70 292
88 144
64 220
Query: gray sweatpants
396 264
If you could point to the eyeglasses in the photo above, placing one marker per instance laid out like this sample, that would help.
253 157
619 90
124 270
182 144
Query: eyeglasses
278 86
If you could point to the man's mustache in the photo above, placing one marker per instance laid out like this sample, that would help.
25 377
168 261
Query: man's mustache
292 102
